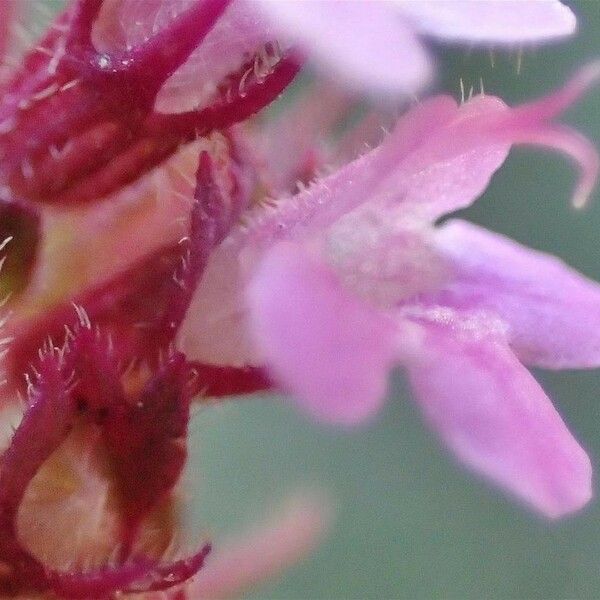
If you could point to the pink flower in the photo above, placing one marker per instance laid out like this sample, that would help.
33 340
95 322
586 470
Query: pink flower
127 188
334 286
374 44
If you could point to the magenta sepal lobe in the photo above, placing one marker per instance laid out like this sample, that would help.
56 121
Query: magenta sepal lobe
111 373
144 434
77 123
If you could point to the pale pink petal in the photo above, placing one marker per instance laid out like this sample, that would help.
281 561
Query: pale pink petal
438 159
326 348
434 141
242 563
481 134
215 328
365 43
423 163
531 124
491 412
553 312
452 169
500 21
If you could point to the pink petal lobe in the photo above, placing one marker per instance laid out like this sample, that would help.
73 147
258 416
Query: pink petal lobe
580 150
215 329
453 168
491 412
494 21
553 312
367 44
426 167
557 102
322 345
438 159
531 123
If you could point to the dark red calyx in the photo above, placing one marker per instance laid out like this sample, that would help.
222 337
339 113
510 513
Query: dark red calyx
102 373
140 310
77 123
136 576
214 381
146 437
46 423
144 431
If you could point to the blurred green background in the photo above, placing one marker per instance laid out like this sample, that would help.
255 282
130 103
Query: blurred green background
410 523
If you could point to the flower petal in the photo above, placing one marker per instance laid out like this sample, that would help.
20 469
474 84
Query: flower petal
215 329
491 412
424 166
328 349
531 123
364 42
500 21
552 311
438 159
